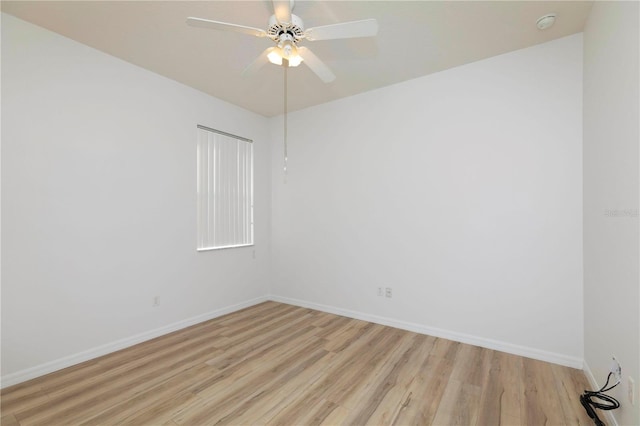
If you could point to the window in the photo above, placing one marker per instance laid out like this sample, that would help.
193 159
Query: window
225 190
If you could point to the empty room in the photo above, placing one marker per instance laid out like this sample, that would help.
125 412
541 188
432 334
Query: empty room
320 212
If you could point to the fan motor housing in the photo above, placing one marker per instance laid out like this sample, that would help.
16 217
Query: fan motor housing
295 28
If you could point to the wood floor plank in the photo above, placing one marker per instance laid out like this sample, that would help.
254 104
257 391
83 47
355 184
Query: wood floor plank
99 392
8 420
152 400
381 375
340 341
424 394
277 334
337 416
216 405
71 409
277 364
512 401
571 382
341 372
377 401
23 399
63 389
319 413
473 364
256 361
254 407
399 381
542 405
60 379
460 404
281 396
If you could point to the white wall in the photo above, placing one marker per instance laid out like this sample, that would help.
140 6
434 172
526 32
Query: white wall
461 190
611 135
99 203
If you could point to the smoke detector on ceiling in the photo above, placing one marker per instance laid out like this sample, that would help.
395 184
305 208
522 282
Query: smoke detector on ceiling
546 21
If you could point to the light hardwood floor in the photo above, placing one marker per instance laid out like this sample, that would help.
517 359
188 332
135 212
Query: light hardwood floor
278 364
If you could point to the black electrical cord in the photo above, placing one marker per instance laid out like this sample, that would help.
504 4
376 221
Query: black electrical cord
591 400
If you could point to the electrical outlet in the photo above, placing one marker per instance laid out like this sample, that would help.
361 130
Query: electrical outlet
388 292
156 301
631 389
616 369
380 293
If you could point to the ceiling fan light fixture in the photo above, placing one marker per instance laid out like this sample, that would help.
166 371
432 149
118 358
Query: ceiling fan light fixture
290 53
275 57
287 51
294 61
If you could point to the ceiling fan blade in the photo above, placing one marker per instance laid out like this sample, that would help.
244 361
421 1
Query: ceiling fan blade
316 65
364 28
282 10
225 26
258 63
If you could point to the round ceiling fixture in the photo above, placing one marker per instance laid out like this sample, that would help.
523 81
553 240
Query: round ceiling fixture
546 21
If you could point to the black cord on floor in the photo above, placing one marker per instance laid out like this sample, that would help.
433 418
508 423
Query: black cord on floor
598 399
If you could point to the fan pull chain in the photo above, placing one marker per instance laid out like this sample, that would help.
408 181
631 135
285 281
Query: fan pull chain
285 64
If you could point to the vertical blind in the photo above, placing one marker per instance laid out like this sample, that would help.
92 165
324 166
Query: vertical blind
225 190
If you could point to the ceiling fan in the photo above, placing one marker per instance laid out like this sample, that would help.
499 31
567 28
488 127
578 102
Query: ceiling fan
287 31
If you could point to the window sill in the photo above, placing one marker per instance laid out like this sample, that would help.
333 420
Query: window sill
224 247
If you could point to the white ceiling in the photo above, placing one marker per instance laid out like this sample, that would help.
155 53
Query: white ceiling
416 38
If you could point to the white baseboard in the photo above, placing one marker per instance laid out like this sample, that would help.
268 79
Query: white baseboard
538 354
611 420
55 365
68 361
